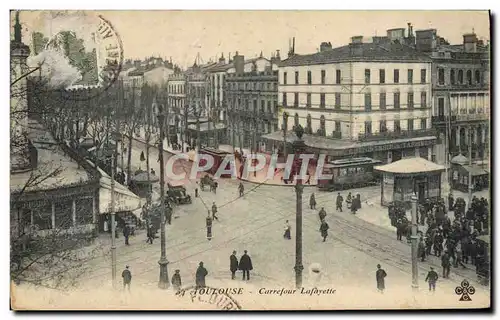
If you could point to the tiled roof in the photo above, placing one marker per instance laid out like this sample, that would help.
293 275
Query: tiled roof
359 52
411 165
143 69
221 66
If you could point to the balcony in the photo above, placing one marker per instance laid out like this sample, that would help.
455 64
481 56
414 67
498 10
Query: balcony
389 135
442 120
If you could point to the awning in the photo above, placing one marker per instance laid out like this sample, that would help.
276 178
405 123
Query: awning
125 200
485 238
475 170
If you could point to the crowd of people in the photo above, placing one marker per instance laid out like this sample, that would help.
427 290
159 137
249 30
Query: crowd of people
454 241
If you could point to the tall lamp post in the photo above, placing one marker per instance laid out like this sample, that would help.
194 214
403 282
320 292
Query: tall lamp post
163 283
285 129
298 148
414 238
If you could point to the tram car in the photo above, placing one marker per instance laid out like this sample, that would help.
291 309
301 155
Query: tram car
348 174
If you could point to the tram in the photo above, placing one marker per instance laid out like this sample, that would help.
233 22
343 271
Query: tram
348 174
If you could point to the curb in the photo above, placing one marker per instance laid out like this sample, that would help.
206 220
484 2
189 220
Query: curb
152 145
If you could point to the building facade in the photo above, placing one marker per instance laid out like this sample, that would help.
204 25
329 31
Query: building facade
251 93
461 98
364 99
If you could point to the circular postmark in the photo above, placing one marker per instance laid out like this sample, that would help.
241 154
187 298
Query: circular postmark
93 53
218 298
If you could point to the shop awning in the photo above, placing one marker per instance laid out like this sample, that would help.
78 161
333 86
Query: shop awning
125 200
475 170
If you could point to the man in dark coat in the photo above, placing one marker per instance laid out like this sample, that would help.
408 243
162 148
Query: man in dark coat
339 202
233 264
432 278
176 280
246 265
380 276
322 214
127 278
445 263
324 229
241 189
438 244
126 233
214 212
201 273
312 202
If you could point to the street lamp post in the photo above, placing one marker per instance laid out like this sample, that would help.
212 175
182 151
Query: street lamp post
285 129
414 238
298 148
163 283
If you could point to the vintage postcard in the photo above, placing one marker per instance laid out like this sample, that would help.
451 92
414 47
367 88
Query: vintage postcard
250 160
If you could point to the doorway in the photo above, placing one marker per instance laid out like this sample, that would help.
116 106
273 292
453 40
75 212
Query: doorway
397 155
421 192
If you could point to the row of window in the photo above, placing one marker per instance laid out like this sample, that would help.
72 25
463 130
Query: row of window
457 77
368 76
368 124
397 125
382 103
269 86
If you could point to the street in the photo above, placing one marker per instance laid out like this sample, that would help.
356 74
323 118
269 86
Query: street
255 223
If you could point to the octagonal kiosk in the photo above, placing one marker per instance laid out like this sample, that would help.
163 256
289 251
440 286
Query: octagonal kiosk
404 178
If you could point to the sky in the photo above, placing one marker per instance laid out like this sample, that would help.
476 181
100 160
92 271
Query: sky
183 34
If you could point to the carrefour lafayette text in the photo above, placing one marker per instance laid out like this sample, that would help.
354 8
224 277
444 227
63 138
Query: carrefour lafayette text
285 291
254 163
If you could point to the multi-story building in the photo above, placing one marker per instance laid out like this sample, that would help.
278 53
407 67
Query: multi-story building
461 100
216 77
251 99
362 99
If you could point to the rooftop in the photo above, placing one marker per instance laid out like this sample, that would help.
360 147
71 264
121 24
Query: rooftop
411 166
143 69
392 51
55 168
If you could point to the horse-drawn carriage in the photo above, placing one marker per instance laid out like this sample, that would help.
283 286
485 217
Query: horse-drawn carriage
178 195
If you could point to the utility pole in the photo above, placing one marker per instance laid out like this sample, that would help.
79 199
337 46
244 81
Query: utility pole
148 140
113 227
163 283
414 238
298 147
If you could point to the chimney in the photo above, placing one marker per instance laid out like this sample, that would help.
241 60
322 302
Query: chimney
325 46
275 59
291 50
222 59
470 42
229 58
426 40
357 40
239 63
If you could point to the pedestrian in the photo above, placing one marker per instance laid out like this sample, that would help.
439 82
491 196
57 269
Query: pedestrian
241 189
421 249
339 202
312 201
380 276
459 257
150 233
196 190
209 226
322 214
432 278
176 280
214 211
438 243
126 233
445 263
245 265
106 225
324 229
288 229
201 273
153 172
349 201
127 278
233 264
